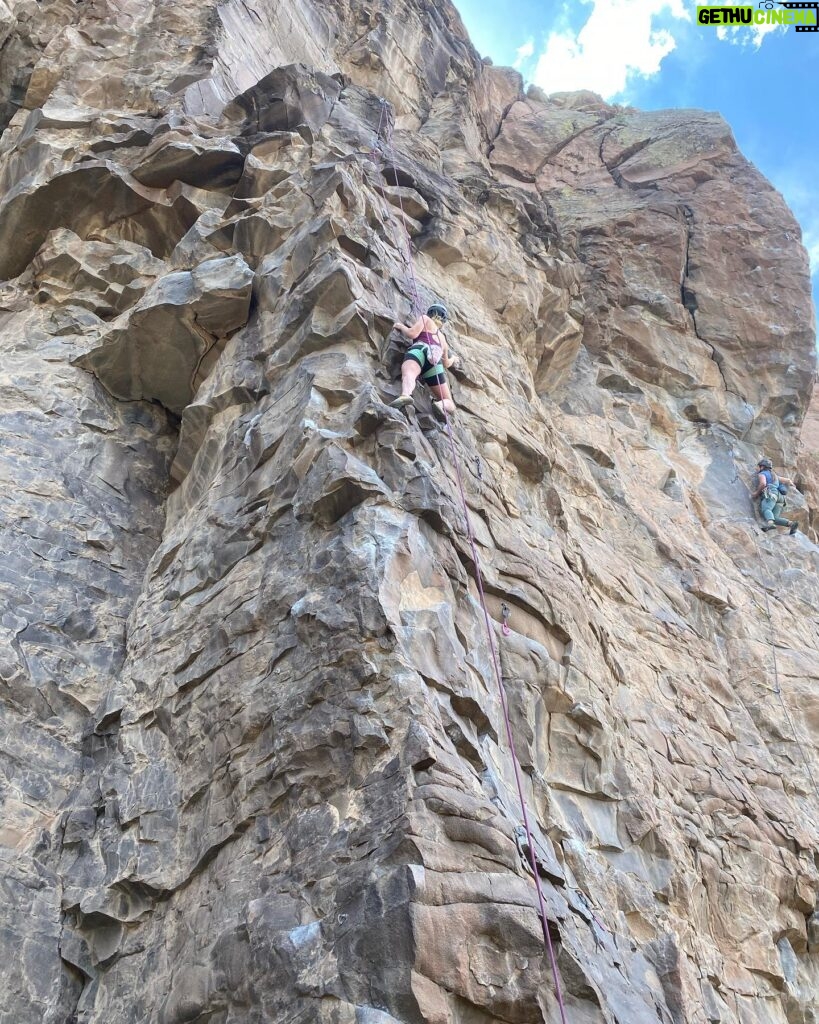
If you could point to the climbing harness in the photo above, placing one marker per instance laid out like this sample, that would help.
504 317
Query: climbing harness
544 922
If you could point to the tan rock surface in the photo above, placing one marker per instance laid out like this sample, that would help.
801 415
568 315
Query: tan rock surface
808 462
254 765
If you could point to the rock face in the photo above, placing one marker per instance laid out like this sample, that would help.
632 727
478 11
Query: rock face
254 764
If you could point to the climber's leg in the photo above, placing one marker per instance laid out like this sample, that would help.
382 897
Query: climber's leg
766 507
778 518
440 392
410 371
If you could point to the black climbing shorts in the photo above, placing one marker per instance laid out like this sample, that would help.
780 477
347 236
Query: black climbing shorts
418 354
429 374
435 381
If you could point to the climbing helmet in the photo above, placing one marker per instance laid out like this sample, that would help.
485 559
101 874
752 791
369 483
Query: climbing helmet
438 312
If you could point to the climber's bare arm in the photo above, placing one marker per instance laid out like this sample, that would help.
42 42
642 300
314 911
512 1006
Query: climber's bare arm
411 332
448 358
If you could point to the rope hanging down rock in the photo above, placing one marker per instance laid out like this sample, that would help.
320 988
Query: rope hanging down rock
547 938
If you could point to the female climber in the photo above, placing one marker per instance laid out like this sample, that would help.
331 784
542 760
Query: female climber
426 358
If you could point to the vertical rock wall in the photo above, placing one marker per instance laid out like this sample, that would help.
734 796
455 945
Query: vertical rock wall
253 758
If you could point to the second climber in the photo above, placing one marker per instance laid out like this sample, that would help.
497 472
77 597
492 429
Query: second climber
771 490
427 357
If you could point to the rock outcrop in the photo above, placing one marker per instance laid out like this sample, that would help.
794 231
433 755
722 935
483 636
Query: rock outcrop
254 765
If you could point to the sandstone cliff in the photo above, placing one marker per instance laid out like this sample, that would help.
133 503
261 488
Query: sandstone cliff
253 758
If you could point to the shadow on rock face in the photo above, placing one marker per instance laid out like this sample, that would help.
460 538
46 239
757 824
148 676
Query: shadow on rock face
155 350
286 98
93 198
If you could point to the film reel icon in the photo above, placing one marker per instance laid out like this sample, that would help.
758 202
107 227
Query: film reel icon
801 6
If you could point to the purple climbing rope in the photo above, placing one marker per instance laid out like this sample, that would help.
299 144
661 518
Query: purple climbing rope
547 938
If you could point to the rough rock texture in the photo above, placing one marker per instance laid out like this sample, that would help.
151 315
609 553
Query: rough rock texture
808 463
252 753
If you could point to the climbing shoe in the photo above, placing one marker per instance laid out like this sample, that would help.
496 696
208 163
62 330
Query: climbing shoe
793 528
768 526
401 401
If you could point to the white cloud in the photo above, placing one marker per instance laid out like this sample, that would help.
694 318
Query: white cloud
618 43
739 35
524 52
759 32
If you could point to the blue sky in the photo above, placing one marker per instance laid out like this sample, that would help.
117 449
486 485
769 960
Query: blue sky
652 54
